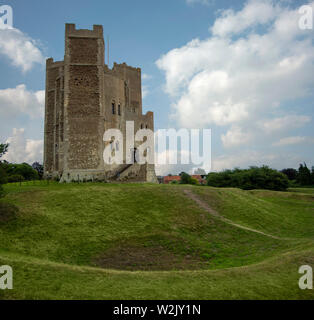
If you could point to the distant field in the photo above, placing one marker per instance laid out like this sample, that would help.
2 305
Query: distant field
302 190
143 241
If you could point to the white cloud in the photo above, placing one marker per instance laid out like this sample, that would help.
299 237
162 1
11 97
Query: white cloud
293 141
145 91
235 137
20 101
145 88
146 76
285 123
205 2
22 50
22 149
247 158
226 80
163 160
255 12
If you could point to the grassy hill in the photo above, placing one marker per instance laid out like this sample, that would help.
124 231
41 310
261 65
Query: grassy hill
142 241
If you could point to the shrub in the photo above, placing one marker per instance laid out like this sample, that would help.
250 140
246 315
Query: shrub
184 178
3 180
187 179
15 178
22 169
3 176
193 181
248 179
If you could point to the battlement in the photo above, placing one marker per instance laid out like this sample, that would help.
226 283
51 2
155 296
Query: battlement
71 31
118 66
54 64
123 71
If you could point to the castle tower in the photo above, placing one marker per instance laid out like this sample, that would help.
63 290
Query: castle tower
84 97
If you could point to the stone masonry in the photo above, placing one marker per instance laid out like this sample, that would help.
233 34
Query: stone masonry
84 97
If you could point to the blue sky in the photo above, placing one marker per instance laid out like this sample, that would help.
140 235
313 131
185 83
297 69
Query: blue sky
246 73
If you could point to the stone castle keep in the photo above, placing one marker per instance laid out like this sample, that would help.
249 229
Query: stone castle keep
84 97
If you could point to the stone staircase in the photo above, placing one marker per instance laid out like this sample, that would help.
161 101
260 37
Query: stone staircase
133 172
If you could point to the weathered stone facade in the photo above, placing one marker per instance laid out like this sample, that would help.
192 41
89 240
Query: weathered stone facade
84 97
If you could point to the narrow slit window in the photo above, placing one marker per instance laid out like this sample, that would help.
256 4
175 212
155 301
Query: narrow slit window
119 110
113 108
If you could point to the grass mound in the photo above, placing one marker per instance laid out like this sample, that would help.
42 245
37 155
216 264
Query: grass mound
145 258
7 212
87 231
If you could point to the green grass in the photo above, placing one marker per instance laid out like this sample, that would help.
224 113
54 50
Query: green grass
283 214
302 190
61 232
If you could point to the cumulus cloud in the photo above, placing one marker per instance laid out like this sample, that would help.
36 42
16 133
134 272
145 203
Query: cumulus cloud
248 158
236 137
20 101
293 141
285 123
22 149
22 51
225 80
255 13
255 62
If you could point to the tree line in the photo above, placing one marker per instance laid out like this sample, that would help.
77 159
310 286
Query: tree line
247 179
257 178
13 172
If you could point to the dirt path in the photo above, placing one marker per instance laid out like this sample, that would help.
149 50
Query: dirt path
202 204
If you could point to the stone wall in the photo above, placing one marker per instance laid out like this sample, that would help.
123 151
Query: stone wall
84 97
53 115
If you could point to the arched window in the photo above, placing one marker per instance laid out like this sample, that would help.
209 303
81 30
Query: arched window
113 108
141 125
119 110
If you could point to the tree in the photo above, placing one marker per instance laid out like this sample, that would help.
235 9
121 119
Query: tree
3 149
247 179
290 173
304 175
185 178
26 171
23 169
3 175
15 178
39 168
